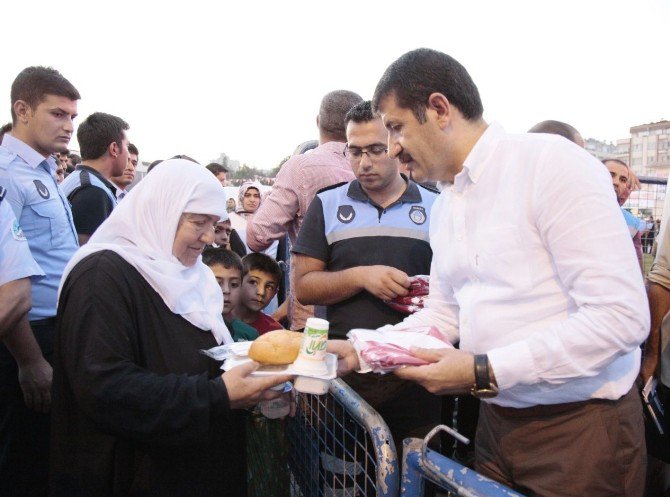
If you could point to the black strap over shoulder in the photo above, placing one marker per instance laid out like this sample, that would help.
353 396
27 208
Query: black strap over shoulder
84 180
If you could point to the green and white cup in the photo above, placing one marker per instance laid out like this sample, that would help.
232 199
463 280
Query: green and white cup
312 356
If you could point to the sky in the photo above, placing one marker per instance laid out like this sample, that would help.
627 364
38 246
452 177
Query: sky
246 78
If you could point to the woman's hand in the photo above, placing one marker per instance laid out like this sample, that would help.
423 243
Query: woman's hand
247 391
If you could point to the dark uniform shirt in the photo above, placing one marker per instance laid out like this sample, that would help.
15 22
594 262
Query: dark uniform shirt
345 229
91 205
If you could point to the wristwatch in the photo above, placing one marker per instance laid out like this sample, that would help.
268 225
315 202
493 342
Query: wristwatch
484 387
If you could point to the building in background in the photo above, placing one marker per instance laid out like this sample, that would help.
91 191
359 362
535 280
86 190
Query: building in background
600 149
227 162
647 152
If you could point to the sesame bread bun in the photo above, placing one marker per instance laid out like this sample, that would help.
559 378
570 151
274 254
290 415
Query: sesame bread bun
276 347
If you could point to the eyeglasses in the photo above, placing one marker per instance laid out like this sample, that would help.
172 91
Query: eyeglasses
199 223
354 154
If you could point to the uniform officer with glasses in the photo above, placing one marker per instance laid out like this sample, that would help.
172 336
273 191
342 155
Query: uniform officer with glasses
358 246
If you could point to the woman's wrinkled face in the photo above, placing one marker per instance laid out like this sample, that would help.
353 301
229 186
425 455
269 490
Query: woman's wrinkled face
194 232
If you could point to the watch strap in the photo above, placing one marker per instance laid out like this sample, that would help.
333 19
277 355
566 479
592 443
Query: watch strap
482 376
483 388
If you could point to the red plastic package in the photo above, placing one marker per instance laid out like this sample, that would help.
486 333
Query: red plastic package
414 300
387 350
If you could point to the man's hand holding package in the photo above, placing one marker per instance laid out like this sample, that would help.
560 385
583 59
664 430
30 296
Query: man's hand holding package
452 371
384 282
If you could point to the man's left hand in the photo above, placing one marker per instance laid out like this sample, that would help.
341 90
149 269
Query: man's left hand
452 371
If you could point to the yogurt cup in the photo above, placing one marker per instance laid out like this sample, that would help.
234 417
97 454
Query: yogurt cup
312 356
318 385
309 384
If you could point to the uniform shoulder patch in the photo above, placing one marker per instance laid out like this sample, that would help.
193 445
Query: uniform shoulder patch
42 189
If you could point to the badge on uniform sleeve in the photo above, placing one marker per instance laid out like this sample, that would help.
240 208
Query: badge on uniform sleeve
42 189
417 214
345 214
17 232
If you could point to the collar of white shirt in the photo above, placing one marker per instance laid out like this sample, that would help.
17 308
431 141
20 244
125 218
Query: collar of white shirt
477 160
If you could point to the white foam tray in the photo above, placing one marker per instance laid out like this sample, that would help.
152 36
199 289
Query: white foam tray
290 369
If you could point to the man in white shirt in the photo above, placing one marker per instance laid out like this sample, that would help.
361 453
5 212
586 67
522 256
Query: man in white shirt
548 303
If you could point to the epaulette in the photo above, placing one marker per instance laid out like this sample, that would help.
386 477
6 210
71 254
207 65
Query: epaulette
332 187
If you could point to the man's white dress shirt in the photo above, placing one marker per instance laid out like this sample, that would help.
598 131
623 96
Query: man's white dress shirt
533 265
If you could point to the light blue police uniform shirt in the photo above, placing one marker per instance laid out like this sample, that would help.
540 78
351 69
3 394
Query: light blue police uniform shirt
44 215
15 259
634 224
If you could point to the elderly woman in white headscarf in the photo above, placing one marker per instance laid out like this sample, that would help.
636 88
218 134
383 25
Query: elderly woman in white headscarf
137 409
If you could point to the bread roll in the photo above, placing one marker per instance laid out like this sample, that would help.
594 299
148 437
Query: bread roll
276 347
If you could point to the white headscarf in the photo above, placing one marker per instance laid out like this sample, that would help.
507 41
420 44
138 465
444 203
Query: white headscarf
240 196
142 230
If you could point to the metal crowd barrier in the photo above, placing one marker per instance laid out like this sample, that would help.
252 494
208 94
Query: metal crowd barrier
420 464
339 446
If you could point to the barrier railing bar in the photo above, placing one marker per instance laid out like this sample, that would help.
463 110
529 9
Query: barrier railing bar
444 472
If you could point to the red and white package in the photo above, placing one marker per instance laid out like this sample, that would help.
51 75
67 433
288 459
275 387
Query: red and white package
387 350
414 300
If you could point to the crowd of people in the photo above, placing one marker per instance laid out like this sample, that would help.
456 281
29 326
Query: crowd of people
110 294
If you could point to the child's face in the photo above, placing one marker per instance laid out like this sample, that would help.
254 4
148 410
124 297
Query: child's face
230 281
222 233
258 288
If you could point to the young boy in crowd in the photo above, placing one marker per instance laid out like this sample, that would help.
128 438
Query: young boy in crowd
227 268
226 237
260 281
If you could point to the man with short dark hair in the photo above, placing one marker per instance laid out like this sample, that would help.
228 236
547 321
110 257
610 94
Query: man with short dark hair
359 244
218 171
548 304
104 151
128 176
297 182
44 104
561 129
